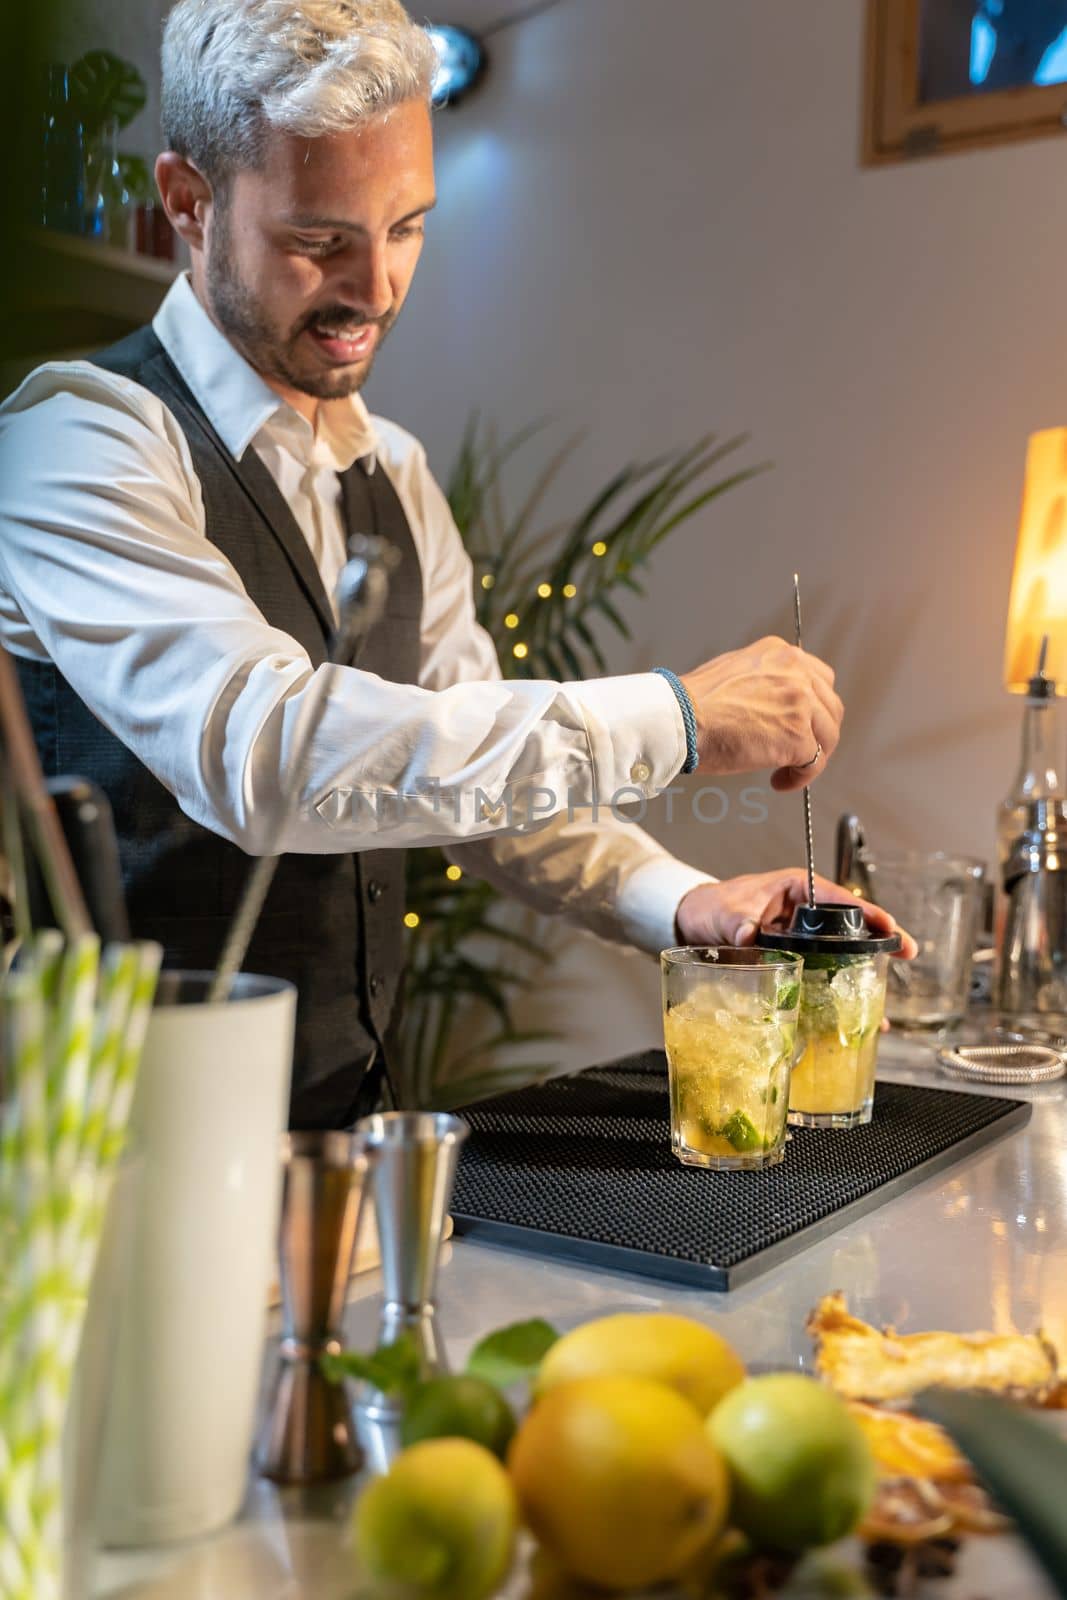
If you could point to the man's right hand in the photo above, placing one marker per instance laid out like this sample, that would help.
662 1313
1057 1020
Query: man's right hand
768 705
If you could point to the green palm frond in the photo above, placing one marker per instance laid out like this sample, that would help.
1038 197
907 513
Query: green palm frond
587 563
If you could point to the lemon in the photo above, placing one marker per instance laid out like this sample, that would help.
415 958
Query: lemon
676 1351
440 1524
802 1471
459 1408
619 1481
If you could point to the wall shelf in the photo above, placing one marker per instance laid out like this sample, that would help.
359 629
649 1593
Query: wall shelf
78 296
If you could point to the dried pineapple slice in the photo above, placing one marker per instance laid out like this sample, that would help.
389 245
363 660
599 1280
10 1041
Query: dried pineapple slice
862 1363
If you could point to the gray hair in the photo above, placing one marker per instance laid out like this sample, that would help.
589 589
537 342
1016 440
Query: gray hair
232 69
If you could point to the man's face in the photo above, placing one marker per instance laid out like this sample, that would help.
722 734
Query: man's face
309 257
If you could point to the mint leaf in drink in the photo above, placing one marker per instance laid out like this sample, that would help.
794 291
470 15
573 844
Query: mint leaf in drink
739 1132
788 994
393 1368
511 1354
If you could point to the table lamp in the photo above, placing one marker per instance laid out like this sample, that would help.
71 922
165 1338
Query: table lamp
1038 604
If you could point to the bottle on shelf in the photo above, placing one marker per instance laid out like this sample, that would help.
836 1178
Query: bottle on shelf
61 202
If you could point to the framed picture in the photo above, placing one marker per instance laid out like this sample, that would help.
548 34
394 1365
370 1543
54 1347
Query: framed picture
946 75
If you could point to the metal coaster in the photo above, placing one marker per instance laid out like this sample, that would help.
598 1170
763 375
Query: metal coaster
1003 1063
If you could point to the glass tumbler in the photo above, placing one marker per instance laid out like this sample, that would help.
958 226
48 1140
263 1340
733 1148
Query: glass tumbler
841 1005
938 898
729 1027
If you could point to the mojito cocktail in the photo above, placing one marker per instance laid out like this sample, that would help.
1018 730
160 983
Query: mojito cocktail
842 1000
729 1027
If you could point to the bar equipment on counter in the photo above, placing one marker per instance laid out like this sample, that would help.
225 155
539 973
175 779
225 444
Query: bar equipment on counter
1031 975
209 1114
809 847
851 858
729 1028
842 994
413 1156
84 814
72 1024
307 1434
1040 772
1003 1063
938 898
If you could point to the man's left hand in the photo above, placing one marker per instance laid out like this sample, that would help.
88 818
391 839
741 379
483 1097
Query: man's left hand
732 911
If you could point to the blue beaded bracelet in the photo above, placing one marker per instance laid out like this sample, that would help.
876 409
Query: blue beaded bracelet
692 756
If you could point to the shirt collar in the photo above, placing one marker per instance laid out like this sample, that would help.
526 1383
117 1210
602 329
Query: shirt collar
238 403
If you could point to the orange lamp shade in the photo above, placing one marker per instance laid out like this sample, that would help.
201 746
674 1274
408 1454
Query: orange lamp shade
1038 603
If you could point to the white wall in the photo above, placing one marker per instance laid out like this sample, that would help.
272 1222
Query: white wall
653 221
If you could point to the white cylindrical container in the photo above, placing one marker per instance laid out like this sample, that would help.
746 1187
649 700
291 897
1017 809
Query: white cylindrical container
211 1106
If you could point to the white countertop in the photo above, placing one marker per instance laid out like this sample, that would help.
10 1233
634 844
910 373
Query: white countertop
981 1246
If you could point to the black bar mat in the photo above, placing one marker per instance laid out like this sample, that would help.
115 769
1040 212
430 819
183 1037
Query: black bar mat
581 1169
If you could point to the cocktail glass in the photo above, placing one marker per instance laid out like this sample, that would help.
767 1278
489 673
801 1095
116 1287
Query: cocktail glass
842 1000
729 1026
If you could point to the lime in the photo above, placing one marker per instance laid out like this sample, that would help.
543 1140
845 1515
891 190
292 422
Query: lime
685 1355
802 1471
618 1480
459 1408
440 1525
739 1132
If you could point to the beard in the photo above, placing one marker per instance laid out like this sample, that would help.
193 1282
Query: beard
273 351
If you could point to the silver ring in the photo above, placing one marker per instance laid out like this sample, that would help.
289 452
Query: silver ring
804 765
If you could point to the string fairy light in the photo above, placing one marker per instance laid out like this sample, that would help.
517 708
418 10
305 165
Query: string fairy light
511 620
520 650
600 548
411 919
454 873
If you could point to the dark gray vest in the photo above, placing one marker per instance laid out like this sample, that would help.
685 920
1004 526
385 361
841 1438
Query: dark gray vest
332 924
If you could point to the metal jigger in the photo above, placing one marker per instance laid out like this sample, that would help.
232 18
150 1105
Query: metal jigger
307 1434
414 1156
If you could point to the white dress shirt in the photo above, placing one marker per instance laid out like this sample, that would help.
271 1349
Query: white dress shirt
106 568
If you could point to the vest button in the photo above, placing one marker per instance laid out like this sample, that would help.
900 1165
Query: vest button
376 983
375 890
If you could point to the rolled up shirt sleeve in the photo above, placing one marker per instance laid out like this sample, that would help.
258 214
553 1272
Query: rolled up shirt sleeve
106 569
606 875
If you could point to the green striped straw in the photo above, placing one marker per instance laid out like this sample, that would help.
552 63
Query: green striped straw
149 958
73 1027
72 1042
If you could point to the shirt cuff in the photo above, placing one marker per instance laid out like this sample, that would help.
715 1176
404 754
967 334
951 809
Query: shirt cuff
636 733
648 901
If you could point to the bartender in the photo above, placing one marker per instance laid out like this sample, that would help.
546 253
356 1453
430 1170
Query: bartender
173 519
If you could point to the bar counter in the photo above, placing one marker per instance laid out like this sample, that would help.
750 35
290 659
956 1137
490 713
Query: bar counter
981 1246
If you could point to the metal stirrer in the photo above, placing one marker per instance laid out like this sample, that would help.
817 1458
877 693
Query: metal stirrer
808 842
360 595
